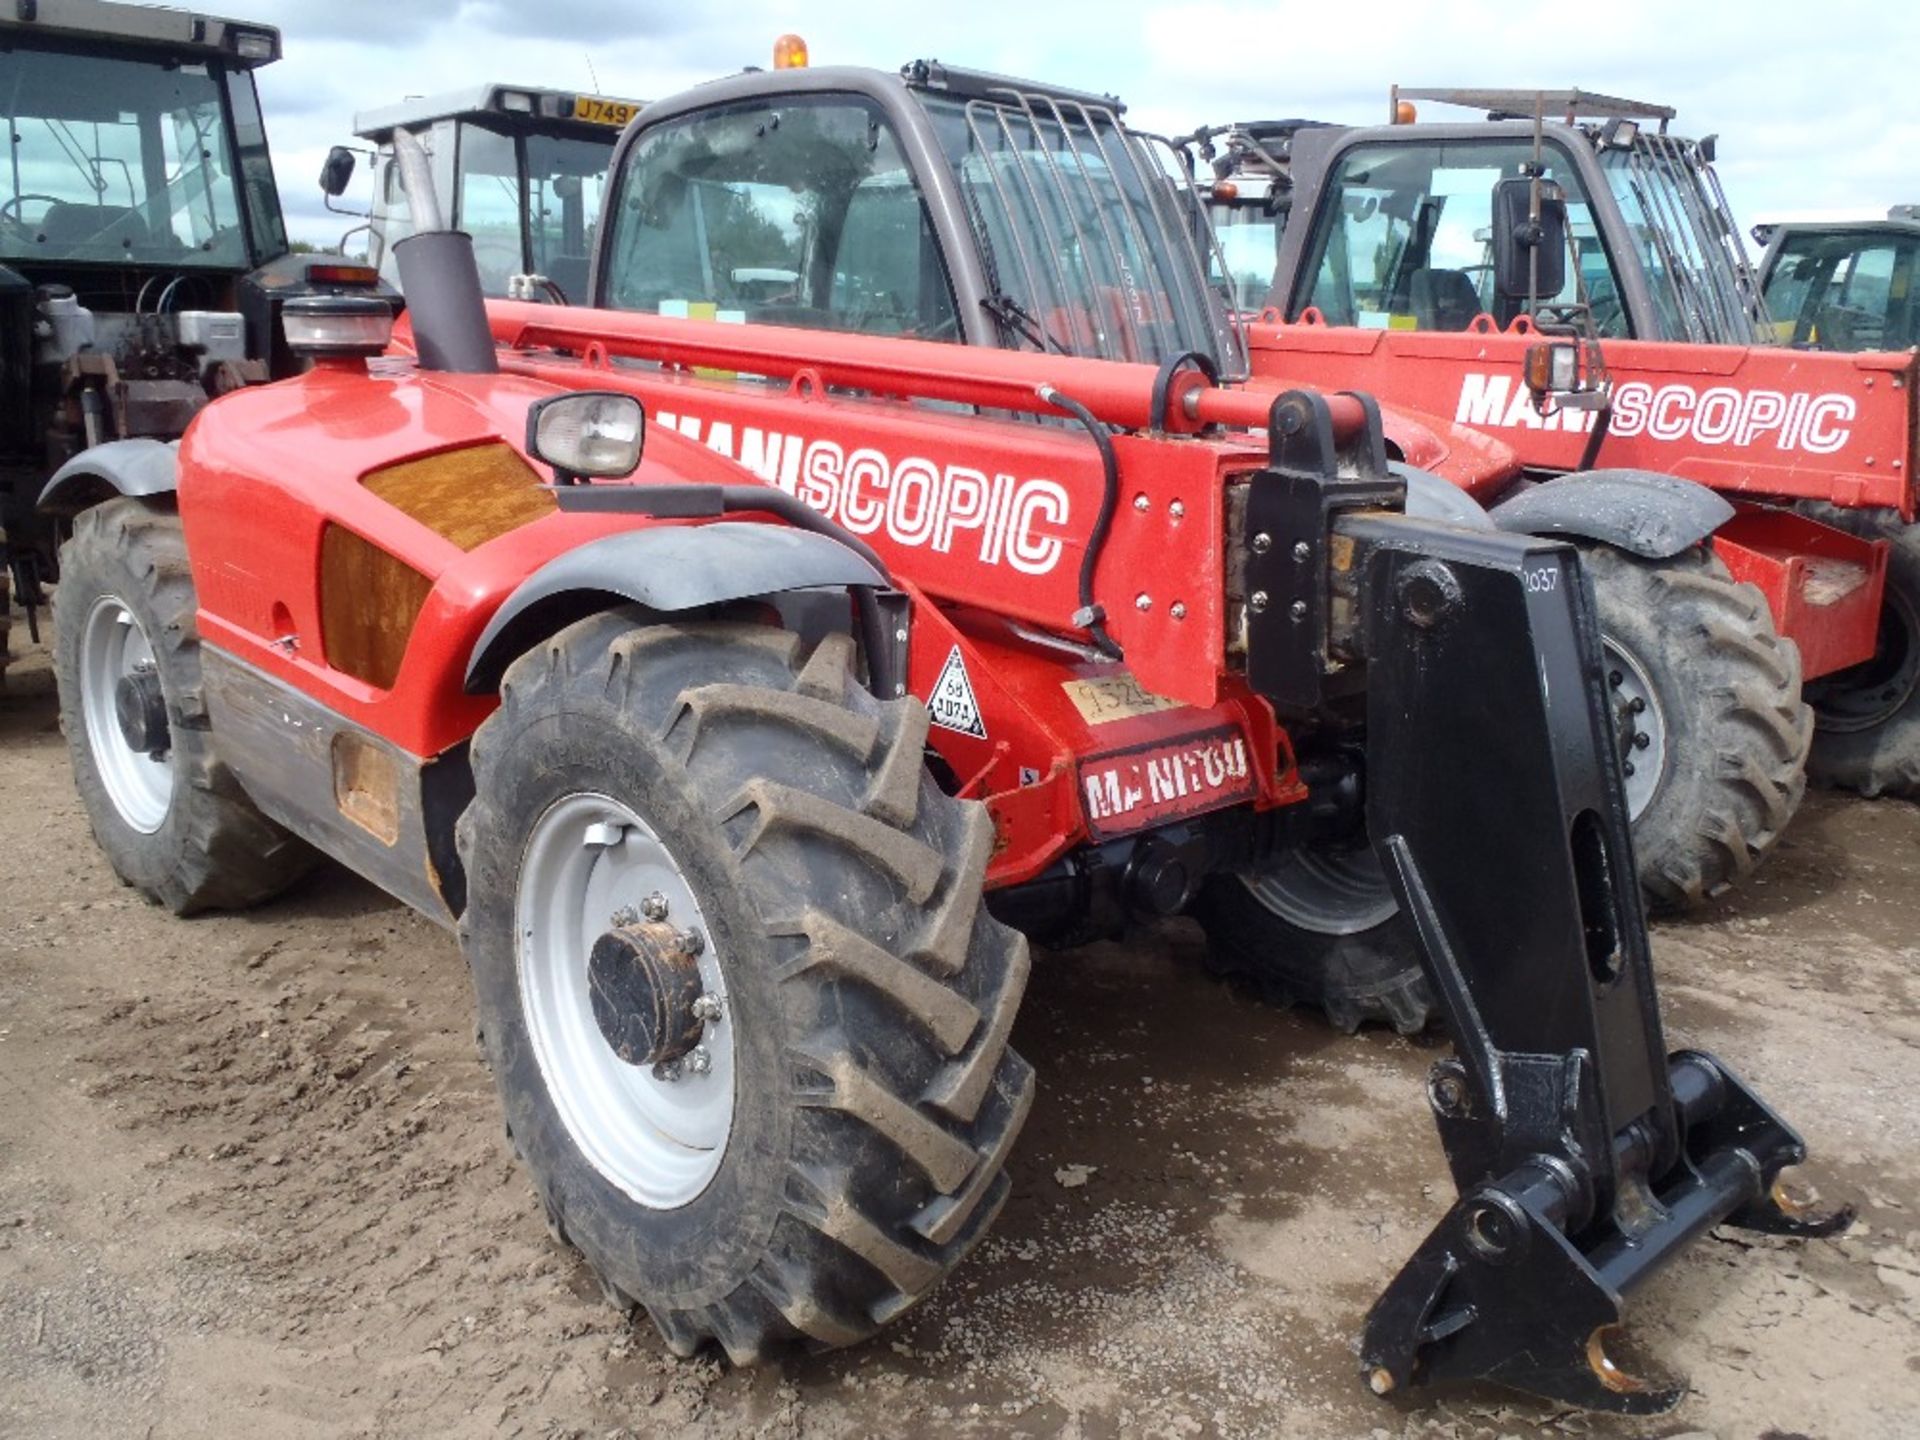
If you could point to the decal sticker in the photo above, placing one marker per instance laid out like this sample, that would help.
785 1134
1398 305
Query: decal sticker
1114 697
1028 776
1163 782
914 500
1818 424
951 704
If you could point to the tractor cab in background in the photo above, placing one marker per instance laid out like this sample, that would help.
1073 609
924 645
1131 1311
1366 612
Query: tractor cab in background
521 167
1845 285
143 257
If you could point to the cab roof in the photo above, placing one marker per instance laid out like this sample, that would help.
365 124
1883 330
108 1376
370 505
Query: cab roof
241 43
529 104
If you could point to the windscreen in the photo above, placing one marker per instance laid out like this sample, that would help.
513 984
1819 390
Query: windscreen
1846 290
1678 223
1404 238
1089 234
802 213
125 161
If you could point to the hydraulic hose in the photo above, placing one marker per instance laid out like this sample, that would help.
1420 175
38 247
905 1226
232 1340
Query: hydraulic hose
1090 617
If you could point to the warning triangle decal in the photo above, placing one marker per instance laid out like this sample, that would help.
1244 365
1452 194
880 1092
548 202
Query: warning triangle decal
951 705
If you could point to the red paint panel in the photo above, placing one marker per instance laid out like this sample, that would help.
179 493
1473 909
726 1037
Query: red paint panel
1824 586
1748 419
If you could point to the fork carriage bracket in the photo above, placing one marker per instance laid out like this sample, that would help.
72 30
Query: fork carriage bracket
1584 1154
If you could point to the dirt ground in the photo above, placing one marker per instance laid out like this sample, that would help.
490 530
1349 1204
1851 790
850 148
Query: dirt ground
252 1182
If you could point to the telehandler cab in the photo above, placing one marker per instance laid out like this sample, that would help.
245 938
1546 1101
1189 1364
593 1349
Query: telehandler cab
143 259
715 725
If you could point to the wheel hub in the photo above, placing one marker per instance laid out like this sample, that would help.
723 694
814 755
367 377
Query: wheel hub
141 711
646 987
1640 725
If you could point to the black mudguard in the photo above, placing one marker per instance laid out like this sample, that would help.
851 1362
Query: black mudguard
1642 512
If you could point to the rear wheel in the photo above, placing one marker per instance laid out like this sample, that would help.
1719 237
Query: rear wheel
1713 745
747 1014
1867 717
172 819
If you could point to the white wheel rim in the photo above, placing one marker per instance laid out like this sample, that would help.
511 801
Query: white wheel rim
660 1141
1649 761
1327 892
113 646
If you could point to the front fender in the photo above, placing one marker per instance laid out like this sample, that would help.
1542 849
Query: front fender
667 568
1642 512
139 468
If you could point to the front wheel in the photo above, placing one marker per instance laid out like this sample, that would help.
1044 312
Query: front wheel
748 1017
1318 928
1708 714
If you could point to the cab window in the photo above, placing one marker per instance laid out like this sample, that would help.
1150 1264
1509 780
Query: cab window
802 213
1404 239
1846 291
490 204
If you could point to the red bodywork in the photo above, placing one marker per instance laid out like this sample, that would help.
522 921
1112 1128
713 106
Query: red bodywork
1753 422
983 522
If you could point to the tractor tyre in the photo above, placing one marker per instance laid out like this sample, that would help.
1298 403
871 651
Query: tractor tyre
1320 929
1866 733
802 1149
174 822
6 612
1712 729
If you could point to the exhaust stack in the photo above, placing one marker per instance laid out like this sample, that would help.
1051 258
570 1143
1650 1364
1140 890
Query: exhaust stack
439 276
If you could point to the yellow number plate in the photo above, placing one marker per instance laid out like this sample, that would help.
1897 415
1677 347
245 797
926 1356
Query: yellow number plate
593 109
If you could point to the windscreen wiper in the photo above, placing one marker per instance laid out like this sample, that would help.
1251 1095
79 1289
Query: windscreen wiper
1015 317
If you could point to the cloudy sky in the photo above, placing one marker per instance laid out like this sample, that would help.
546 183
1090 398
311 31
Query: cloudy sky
1812 101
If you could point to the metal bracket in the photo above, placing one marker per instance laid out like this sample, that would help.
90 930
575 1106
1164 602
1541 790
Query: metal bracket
1585 1156
1291 553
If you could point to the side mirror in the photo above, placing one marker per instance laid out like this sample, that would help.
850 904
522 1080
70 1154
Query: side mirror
1520 241
337 173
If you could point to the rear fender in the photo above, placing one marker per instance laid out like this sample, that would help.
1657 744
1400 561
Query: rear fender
139 468
1642 512
668 569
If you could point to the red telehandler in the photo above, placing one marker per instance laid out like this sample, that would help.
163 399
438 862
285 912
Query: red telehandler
732 732
1565 278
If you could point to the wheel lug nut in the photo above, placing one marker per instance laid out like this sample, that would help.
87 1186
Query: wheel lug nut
1616 679
625 915
1642 740
699 1062
654 907
1627 768
707 1007
1638 704
692 942
667 1070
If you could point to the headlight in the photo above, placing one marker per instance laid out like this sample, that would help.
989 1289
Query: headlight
320 325
592 433
254 44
